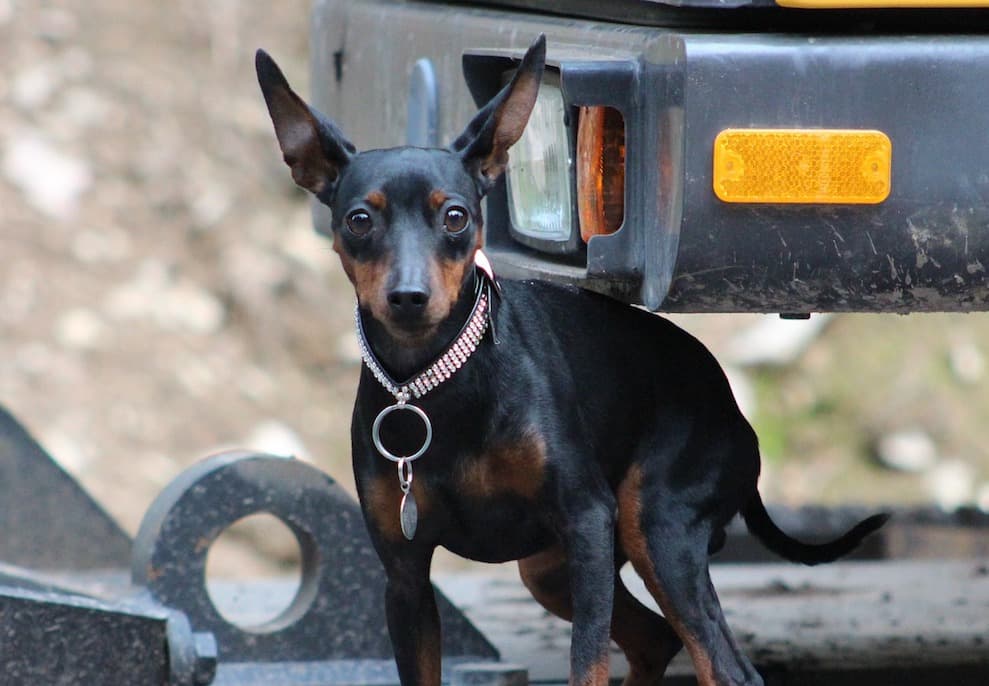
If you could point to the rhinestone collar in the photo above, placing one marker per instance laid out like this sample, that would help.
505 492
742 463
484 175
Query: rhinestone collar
445 366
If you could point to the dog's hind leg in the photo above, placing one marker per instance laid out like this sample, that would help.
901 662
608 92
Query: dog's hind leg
648 641
670 553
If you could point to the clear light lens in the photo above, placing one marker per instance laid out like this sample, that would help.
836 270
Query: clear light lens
539 170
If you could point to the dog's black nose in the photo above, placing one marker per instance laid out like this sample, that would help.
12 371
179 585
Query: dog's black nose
408 303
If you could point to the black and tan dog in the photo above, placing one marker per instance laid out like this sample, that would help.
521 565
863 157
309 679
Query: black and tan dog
588 435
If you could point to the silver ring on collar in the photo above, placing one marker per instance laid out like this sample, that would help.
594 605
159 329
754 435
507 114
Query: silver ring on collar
376 432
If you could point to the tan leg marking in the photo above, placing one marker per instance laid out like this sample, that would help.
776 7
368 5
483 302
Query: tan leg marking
545 575
644 637
635 544
429 660
596 676
384 498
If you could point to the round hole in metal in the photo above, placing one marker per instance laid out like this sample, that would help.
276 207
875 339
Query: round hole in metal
260 574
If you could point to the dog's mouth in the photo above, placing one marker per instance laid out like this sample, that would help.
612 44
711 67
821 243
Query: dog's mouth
411 334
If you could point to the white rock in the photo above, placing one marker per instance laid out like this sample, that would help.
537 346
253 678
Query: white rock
32 88
909 450
154 295
774 341
276 438
57 24
196 375
348 350
742 389
107 244
982 497
80 329
253 272
66 451
967 362
138 298
255 383
19 293
83 108
34 359
158 468
951 484
302 244
51 180
76 62
211 203
188 307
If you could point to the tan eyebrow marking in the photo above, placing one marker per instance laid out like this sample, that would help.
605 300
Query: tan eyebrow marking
377 200
437 198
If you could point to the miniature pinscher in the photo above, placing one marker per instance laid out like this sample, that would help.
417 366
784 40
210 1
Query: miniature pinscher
540 423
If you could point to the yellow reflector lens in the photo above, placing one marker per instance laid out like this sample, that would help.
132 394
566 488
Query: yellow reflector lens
802 166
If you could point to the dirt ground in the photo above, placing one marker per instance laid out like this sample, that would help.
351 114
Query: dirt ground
163 295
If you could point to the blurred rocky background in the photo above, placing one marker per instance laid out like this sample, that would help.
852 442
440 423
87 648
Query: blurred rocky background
163 295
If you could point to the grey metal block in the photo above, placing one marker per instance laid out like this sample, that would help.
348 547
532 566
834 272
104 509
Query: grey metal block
337 612
48 521
488 674
56 638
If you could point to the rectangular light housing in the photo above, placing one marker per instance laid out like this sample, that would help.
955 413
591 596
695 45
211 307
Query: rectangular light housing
806 166
539 172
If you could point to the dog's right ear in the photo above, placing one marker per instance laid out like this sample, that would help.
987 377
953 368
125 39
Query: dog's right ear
311 144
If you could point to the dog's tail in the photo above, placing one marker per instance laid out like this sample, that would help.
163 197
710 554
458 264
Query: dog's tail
775 539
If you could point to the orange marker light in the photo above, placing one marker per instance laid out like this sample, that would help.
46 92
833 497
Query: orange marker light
600 171
806 166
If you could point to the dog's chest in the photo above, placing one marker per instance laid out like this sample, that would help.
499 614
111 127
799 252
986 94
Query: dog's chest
486 505
496 507
504 467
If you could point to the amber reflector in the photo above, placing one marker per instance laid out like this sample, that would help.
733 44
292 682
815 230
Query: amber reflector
802 166
600 171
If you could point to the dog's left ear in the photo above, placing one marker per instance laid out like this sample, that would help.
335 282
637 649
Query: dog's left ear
312 145
484 144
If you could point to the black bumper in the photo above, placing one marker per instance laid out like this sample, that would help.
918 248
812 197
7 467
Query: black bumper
925 248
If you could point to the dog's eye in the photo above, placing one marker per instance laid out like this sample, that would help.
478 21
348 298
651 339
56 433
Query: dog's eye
456 219
359 223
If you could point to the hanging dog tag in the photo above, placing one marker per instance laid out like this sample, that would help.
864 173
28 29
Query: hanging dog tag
409 515
408 511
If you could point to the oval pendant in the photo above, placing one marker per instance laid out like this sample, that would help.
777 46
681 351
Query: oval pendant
409 515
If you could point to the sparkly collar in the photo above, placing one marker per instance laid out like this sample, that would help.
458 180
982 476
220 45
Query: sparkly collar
445 366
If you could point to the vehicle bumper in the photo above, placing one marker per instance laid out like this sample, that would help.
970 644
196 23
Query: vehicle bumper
925 248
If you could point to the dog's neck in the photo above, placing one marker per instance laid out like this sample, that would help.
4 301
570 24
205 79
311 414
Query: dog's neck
402 361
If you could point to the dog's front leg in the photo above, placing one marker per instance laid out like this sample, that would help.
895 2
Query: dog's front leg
413 620
589 539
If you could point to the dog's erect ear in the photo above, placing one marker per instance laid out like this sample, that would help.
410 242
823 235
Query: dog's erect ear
485 142
312 144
